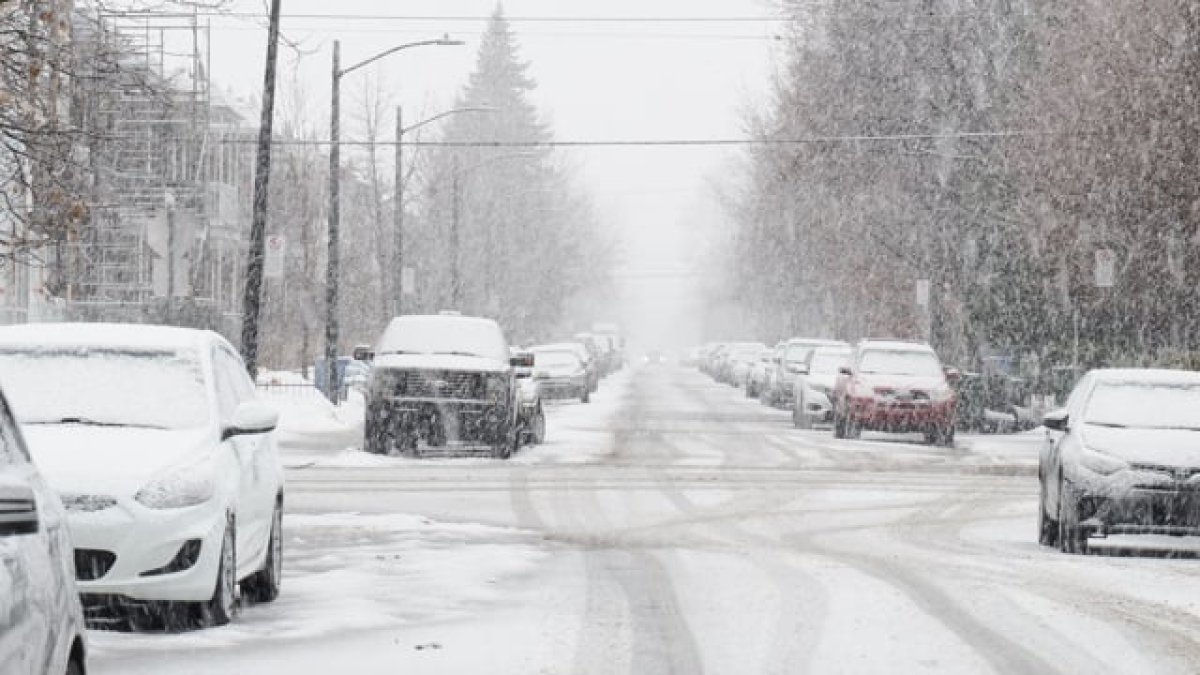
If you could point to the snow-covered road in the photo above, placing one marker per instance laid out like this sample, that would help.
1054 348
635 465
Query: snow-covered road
673 526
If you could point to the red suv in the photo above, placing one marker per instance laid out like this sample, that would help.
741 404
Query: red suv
895 386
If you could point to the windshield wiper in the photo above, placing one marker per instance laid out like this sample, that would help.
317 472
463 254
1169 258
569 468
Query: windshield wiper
84 421
1110 425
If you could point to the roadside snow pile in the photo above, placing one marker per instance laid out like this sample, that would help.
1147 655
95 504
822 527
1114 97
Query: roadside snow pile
310 427
353 572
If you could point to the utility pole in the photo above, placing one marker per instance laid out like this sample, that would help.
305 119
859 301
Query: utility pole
252 295
398 221
332 271
455 281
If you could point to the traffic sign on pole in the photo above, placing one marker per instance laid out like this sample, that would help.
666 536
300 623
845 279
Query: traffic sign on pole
274 250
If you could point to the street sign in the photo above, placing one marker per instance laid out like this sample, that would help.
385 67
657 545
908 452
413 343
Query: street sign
922 292
408 280
274 250
1106 267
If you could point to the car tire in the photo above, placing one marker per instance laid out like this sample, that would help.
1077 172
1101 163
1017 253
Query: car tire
853 429
802 421
375 436
1047 526
222 607
585 396
839 425
942 436
1071 537
263 586
537 427
504 439
75 666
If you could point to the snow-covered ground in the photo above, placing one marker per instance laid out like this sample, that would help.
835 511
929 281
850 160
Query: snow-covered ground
674 526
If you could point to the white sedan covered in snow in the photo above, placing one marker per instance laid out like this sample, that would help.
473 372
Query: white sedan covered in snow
164 459
1123 457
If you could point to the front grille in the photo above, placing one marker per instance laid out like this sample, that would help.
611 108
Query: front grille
91 564
436 384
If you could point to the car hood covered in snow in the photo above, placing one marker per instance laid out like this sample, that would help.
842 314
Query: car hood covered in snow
114 461
1161 447
901 382
472 364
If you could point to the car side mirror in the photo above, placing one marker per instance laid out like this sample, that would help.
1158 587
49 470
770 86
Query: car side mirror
952 375
1056 421
523 360
798 368
363 353
844 370
250 418
18 510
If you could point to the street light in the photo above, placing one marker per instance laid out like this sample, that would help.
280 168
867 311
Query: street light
333 271
398 208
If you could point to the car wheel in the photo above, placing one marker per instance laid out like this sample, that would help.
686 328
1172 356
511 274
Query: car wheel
222 607
1047 527
504 440
585 396
375 436
1071 537
75 666
839 425
537 434
263 585
795 417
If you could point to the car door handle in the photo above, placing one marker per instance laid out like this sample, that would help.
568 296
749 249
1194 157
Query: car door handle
18 510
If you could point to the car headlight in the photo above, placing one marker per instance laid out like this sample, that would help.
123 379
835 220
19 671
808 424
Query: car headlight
1099 462
180 488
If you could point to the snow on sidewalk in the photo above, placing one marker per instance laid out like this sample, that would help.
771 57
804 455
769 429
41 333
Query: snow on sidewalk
349 573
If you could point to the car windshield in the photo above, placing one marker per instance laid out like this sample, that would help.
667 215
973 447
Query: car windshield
555 359
798 353
447 335
108 387
1144 405
828 362
899 362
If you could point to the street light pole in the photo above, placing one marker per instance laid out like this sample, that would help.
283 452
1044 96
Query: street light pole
333 270
398 215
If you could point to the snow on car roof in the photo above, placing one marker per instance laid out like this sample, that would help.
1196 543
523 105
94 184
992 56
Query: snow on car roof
112 335
559 347
1146 375
808 342
895 346
444 334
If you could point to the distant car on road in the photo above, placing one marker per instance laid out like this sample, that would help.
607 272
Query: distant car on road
164 458
815 379
756 379
441 378
43 630
1122 458
894 386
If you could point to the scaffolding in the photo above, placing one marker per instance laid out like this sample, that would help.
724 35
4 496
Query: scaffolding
161 186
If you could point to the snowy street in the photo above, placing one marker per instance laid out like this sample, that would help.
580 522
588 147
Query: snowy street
674 526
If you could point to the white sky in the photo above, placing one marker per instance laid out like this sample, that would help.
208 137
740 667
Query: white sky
597 80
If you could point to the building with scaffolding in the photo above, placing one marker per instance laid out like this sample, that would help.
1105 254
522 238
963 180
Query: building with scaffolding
168 179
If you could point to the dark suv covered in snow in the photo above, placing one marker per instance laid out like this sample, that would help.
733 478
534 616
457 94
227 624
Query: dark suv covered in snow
442 378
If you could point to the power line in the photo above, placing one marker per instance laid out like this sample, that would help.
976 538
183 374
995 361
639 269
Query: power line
464 18
692 142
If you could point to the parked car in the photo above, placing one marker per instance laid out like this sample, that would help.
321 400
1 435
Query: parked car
815 379
164 459
741 356
442 378
1121 458
756 379
560 372
897 387
42 632
590 364
791 359
531 417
